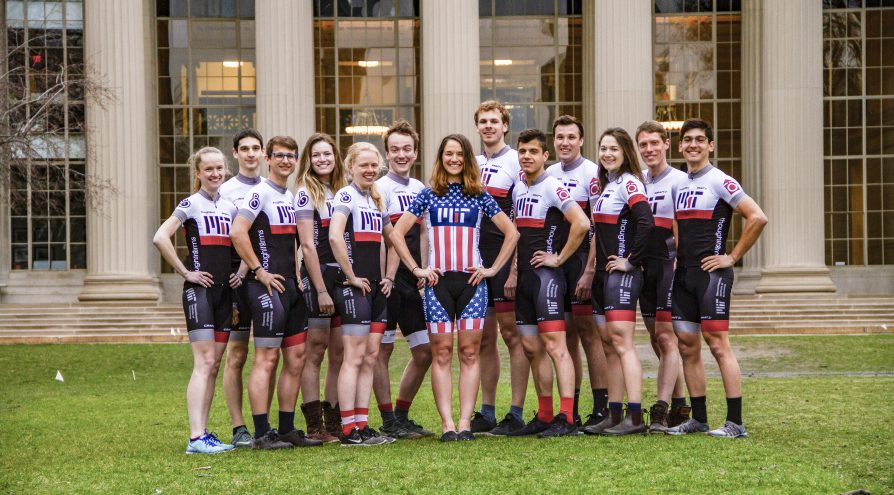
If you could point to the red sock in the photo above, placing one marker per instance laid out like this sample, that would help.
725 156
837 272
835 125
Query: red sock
403 405
361 416
566 405
545 408
347 422
386 407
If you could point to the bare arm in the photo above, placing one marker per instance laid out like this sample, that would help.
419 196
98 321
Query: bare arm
242 243
584 287
340 251
579 226
399 243
755 220
510 239
162 241
312 264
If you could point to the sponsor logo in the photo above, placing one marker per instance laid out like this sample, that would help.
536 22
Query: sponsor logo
184 204
730 186
594 186
562 193
255 202
302 199
344 198
631 187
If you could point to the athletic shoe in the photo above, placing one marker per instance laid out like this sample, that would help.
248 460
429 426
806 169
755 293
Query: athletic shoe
480 424
396 429
691 426
241 438
465 435
729 430
372 437
509 424
560 427
351 440
595 418
414 427
658 415
299 439
599 428
449 436
678 415
207 444
270 441
626 427
533 427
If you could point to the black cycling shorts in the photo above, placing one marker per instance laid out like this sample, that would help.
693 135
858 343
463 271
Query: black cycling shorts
316 319
573 269
242 314
496 297
658 283
406 311
540 301
620 293
279 320
208 312
701 299
360 314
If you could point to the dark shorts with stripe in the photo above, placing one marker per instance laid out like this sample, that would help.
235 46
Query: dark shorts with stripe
208 312
658 283
316 319
573 269
360 314
242 310
279 320
540 301
620 292
701 299
496 297
405 307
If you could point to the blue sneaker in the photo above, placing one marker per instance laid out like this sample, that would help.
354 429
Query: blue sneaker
207 444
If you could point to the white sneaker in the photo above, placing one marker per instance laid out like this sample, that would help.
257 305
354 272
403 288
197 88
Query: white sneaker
729 430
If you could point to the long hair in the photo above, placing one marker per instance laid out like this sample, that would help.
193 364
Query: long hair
195 161
471 177
628 150
308 178
353 151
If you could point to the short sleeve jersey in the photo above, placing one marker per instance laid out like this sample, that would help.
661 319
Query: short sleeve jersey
581 179
363 230
206 223
321 215
272 232
613 219
661 191
453 222
499 173
704 208
539 214
234 191
398 194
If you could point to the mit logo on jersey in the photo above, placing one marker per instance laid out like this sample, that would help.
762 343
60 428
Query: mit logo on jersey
539 215
271 211
206 224
704 209
399 193
363 230
499 174
661 191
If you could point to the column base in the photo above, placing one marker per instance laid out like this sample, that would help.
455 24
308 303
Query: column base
795 279
120 287
747 279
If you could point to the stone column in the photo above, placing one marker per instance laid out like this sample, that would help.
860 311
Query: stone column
121 261
451 76
285 68
792 148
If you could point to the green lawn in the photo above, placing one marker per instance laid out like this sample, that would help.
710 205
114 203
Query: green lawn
817 429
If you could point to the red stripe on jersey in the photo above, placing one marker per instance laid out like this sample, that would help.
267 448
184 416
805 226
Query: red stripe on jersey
695 214
551 326
214 240
620 315
530 222
583 204
282 229
666 223
324 222
368 236
497 192
605 218
636 198
715 325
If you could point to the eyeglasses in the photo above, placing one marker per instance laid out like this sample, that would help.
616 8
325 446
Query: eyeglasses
696 139
285 156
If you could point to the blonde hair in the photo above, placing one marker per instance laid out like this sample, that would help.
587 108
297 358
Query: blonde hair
308 178
351 155
196 160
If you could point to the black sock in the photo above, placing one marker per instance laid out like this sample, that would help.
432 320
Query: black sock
600 399
387 417
236 428
678 402
699 409
734 409
262 425
661 403
286 421
574 413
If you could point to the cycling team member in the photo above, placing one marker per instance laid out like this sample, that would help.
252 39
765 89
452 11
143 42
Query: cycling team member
623 223
455 298
248 150
405 308
320 172
542 204
580 178
662 182
499 173
355 235
207 302
704 277
264 235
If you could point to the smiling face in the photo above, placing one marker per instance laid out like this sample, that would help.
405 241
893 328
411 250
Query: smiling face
610 155
211 171
652 148
567 141
453 161
281 168
322 159
531 157
249 154
400 153
365 169
696 148
491 127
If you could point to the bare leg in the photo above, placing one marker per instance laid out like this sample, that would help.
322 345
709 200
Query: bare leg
622 340
317 342
200 390
381 379
469 376
237 352
333 365
414 373
442 379
490 360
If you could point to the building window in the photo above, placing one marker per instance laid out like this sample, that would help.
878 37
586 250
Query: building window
205 65
366 70
858 132
46 199
531 60
698 60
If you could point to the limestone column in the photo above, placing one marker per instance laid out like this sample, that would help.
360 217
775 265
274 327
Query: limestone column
451 81
120 258
619 81
792 148
285 68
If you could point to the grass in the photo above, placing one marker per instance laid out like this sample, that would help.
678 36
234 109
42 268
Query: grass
818 430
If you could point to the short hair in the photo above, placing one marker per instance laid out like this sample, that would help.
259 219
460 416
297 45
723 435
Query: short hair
471 179
487 106
697 124
628 150
528 135
401 126
650 127
244 133
286 142
568 120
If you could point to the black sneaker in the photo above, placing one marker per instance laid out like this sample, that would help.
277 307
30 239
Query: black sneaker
449 436
559 427
299 439
509 424
533 427
465 435
480 424
595 418
414 427
270 441
397 429
372 437
352 440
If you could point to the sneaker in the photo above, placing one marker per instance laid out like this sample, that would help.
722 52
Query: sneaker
678 415
480 424
372 437
270 441
729 430
509 424
533 427
396 429
414 427
599 428
560 427
207 444
449 436
595 418
627 427
351 440
241 438
658 415
299 439
691 426
465 435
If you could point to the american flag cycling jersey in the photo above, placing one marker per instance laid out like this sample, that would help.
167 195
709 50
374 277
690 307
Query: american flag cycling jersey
321 216
272 231
499 173
363 231
206 223
398 194
539 213
453 223
581 179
